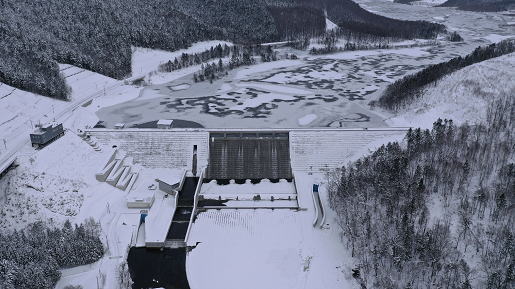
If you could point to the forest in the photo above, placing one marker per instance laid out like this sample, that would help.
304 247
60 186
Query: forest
36 35
403 91
187 59
31 259
96 35
239 56
332 41
435 211
294 22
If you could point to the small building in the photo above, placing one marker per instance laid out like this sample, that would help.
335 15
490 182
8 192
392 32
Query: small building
45 134
170 181
165 123
119 125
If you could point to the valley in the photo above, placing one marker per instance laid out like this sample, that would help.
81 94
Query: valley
331 90
243 144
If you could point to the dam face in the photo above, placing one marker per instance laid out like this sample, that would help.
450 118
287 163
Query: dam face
263 155
246 154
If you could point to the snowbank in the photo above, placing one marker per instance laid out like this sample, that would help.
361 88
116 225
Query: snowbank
462 96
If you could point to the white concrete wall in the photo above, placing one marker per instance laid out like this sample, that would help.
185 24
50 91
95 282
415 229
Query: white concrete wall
158 148
310 149
315 150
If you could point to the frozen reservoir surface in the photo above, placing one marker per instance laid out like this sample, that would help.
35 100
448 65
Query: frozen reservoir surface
291 92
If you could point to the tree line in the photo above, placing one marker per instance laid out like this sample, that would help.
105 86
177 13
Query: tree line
353 41
331 41
436 210
31 259
189 59
239 56
408 88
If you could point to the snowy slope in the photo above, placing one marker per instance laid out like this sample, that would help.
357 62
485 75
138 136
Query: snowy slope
21 110
18 108
462 96
330 25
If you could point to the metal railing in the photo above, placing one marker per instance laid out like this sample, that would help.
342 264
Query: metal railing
195 201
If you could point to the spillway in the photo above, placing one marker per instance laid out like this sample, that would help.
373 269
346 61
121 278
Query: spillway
249 156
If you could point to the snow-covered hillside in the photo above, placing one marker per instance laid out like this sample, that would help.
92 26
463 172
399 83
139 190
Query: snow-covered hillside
18 108
462 96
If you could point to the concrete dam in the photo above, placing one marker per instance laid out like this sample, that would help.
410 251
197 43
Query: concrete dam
245 153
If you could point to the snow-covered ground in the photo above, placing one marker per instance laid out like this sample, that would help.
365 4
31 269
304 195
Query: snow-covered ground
269 248
494 38
330 25
462 96
58 183
21 110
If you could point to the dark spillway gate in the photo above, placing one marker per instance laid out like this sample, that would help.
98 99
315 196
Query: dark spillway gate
249 156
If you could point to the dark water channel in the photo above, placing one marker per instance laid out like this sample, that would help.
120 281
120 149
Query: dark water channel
155 268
